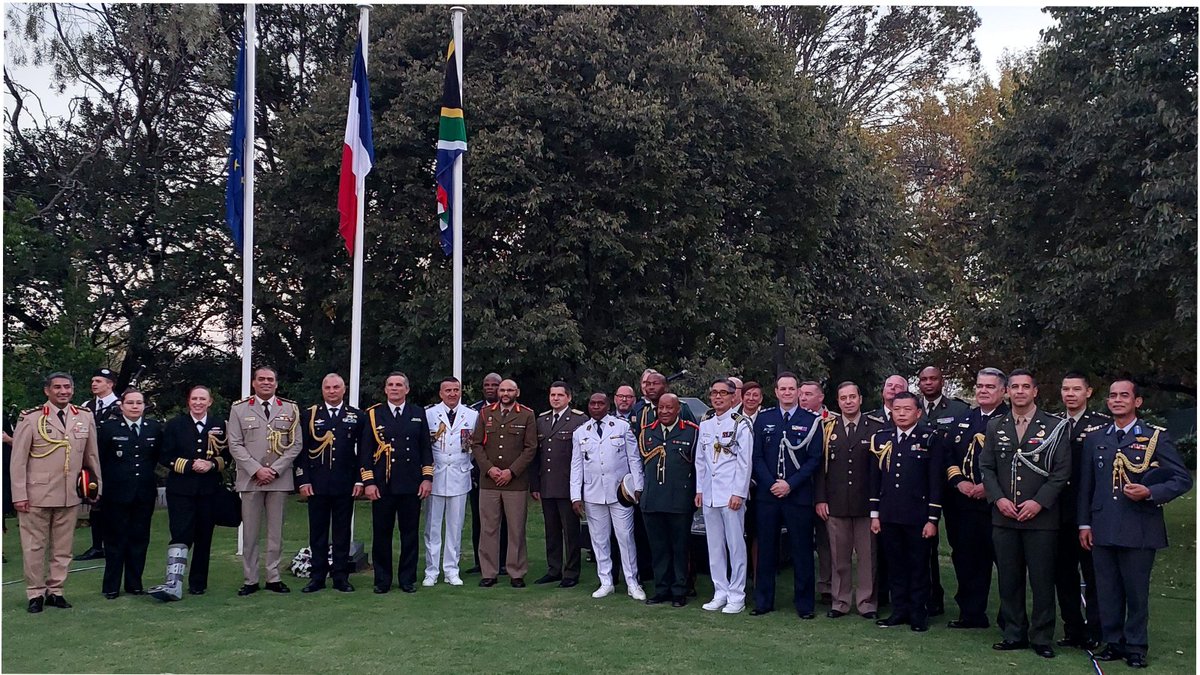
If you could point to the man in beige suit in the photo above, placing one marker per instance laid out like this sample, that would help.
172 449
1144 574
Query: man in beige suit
264 439
51 444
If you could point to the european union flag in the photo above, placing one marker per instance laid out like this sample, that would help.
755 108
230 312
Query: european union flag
235 189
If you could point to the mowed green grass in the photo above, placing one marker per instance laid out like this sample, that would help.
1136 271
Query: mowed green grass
533 630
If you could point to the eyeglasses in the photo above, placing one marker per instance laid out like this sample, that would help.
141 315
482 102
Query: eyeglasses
722 392
624 396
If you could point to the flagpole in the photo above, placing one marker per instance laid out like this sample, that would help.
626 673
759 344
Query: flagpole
250 36
364 19
248 205
457 209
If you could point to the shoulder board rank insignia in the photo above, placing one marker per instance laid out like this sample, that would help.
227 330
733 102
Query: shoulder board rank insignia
708 415
546 414
875 418
31 410
739 416
430 406
76 411
285 400
249 400
1156 427
577 412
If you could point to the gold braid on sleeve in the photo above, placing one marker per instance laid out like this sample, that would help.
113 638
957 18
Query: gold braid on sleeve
1123 466
53 444
884 454
382 448
325 440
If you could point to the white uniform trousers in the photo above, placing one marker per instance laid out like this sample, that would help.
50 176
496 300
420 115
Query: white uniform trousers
603 520
452 510
726 532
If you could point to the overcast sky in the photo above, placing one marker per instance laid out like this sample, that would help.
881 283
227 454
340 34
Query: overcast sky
1012 28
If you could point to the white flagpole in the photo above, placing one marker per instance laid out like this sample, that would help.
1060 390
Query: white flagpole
457 208
250 35
359 188
364 22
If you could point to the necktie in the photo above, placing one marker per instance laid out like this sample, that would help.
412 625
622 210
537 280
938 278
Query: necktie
787 418
267 409
599 431
903 437
1071 426
850 428
554 420
333 412
1022 425
450 416
1120 435
134 428
62 418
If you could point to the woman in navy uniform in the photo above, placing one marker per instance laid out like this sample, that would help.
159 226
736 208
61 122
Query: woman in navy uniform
129 447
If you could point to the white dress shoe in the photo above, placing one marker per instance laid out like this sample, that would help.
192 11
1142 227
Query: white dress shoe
732 608
716 603
429 581
454 581
603 591
636 592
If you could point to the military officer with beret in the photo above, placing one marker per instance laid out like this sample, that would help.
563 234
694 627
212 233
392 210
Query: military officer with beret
450 424
327 471
906 492
102 405
723 458
504 444
604 454
967 512
1072 560
129 445
550 483
1026 461
842 492
396 461
667 447
195 451
51 445
787 453
1132 470
264 439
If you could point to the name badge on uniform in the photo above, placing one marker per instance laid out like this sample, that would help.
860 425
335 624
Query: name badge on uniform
945 420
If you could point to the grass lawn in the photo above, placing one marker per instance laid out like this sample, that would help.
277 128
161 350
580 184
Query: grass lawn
537 629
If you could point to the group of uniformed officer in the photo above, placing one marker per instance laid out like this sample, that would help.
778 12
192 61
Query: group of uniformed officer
1044 498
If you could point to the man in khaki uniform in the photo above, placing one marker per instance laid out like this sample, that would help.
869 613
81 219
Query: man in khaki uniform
51 444
504 444
264 440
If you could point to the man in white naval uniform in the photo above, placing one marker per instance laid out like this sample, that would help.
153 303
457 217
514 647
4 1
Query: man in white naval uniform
450 427
722 483
604 451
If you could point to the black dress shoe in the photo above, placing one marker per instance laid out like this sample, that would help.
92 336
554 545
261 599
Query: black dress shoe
195 591
518 583
919 626
679 601
487 582
1044 651
806 616
658 599
547 578
759 612
313 587
1110 653
568 583
343 587
58 601
136 591
36 604
1136 661
962 623
473 570
381 589
408 588
277 587
247 589
1010 645
91 554
871 615
892 620
834 614
112 596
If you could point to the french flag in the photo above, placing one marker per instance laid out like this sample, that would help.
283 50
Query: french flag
358 150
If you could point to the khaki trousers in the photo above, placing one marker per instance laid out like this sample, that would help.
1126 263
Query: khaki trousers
256 505
513 505
851 538
42 527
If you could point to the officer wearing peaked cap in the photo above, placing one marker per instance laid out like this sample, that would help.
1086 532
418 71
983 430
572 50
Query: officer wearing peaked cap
102 405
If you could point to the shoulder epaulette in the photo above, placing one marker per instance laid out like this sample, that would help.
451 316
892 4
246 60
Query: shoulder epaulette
75 410
708 415
31 410
763 410
372 407
576 411
1156 427
430 406
1102 415
517 407
739 416
546 413
245 401
873 416
683 424
287 400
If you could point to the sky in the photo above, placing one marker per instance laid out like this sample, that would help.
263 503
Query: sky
1012 28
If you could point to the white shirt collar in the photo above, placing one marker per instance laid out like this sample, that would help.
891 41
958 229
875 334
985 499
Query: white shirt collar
1127 427
108 400
270 401
788 411
129 422
329 407
396 409
935 402
902 432
202 420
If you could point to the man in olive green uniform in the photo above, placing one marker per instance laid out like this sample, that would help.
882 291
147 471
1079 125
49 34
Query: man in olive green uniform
264 439
668 449
51 444
504 443
1025 464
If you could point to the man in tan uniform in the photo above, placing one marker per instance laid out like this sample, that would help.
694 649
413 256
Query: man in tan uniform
504 443
51 444
264 439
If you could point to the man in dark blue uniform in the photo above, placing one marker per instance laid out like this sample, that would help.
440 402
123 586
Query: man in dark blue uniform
1072 559
668 450
1132 470
327 471
129 447
103 405
966 509
906 490
787 452
396 460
